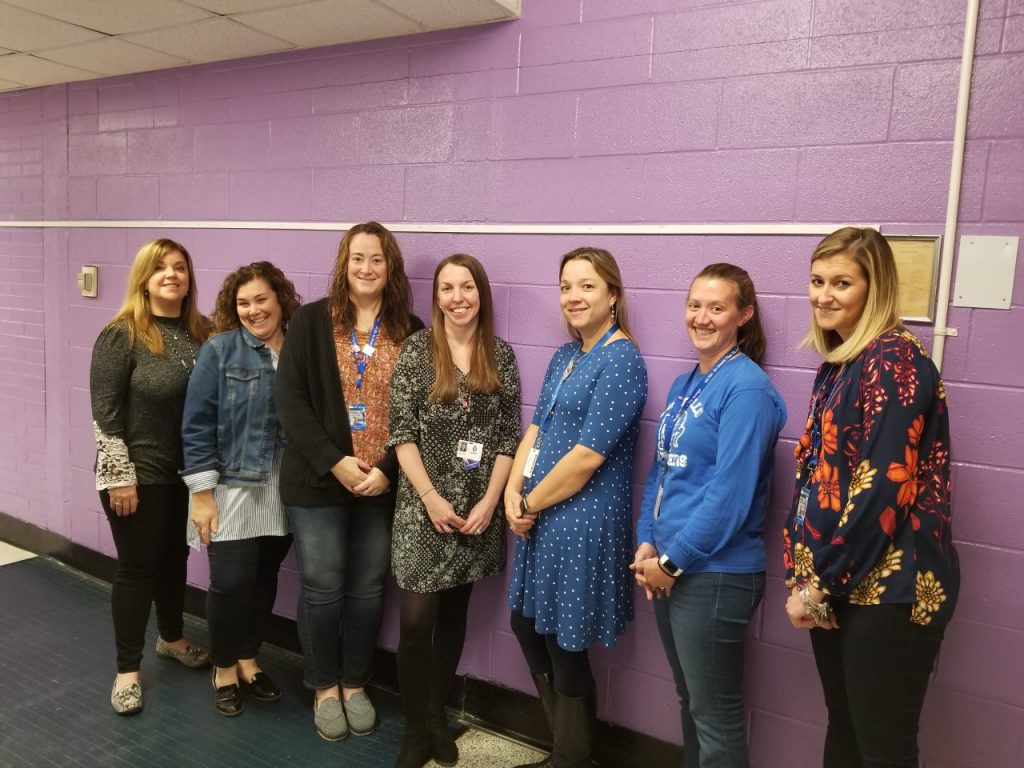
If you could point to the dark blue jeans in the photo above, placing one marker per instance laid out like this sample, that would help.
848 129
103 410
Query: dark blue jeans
243 587
702 626
344 554
874 672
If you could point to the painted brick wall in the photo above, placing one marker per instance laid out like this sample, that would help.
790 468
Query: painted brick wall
602 111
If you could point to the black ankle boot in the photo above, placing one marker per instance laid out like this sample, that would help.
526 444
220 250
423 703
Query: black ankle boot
415 747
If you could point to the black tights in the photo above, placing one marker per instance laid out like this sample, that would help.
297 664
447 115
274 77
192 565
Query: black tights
432 633
570 670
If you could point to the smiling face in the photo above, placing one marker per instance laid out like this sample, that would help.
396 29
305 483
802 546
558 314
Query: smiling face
367 267
713 318
586 299
458 297
168 285
838 291
259 310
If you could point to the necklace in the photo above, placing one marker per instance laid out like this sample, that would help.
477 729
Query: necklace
178 350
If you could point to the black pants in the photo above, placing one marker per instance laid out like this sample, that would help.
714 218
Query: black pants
874 672
151 564
569 670
243 587
432 631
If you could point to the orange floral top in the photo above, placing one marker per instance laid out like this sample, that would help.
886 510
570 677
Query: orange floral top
877 526
368 444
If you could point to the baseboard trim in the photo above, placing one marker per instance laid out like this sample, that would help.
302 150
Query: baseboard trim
479 702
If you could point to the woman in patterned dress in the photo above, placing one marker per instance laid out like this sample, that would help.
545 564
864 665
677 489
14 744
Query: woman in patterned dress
454 423
337 474
569 499
140 368
868 544
233 446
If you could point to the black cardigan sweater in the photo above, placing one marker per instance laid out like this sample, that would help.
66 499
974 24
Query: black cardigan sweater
311 407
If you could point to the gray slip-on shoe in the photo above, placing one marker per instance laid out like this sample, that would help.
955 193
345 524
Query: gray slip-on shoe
128 700
362 718
329 718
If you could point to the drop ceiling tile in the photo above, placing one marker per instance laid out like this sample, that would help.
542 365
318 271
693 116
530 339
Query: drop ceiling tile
115 17
32 71
327 22
21 30
113 56
242 6
446 14
214 39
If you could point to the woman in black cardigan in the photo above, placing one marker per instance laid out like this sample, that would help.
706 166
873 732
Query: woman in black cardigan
337 479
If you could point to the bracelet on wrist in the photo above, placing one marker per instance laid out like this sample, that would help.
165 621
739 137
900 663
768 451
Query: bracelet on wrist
422 495
820 612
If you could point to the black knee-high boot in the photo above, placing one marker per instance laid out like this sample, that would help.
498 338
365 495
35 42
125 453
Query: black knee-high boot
546 693
575 721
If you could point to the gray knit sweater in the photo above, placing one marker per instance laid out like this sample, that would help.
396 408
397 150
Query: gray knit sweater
137 403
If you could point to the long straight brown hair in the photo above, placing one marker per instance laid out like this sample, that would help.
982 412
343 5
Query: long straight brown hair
483 365
396 303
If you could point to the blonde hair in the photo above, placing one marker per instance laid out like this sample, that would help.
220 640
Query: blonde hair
608 270
482 377
135 315
872 253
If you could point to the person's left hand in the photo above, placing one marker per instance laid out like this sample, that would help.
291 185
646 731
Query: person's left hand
517 521
798 615
479 518
375 484
658 583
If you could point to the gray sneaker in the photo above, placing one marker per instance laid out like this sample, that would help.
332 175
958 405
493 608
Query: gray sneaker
362 718
329 719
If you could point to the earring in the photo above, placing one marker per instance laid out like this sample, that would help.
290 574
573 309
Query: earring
145 293
615 313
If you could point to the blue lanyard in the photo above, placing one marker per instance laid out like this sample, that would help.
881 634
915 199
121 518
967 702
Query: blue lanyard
671 414
576 361
816 416
362 355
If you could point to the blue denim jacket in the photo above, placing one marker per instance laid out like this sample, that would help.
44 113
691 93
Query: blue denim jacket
230 423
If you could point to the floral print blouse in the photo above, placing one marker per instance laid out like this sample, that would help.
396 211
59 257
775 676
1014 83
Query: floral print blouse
877 527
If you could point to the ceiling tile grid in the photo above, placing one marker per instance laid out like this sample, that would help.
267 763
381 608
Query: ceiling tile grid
44 42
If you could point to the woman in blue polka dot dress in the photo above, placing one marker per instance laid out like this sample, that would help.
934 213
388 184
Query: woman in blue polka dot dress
569 500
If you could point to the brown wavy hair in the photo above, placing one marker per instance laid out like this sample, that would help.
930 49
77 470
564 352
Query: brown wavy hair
483 369
225 312
396 303
135 316
608 270
750 335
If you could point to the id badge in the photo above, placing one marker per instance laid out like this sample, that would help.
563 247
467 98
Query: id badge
357 416
657 501
531 462
801 505
470 453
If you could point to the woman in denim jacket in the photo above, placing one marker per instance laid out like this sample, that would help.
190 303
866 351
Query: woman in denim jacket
233 447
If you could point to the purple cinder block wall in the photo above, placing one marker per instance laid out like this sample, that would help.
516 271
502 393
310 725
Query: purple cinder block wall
606 111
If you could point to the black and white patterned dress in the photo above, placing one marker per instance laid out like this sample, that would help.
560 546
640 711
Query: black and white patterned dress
423 559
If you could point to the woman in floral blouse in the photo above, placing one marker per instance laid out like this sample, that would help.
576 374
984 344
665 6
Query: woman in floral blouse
868 544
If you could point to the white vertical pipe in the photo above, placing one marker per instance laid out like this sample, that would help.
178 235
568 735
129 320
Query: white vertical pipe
955 176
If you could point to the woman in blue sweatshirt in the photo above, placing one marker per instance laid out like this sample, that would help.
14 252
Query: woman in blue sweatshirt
701 556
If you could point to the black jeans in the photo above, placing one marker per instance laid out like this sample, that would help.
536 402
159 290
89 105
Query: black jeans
243 587
874 672
152 560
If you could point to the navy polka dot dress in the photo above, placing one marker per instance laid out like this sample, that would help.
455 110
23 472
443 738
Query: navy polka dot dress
572 575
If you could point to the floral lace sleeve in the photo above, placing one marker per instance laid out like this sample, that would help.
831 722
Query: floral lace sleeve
109 379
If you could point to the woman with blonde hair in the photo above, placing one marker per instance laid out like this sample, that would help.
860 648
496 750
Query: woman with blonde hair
868 544
569 500
233 446
141 364
338 474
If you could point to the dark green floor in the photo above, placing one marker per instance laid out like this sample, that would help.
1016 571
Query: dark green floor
57 666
